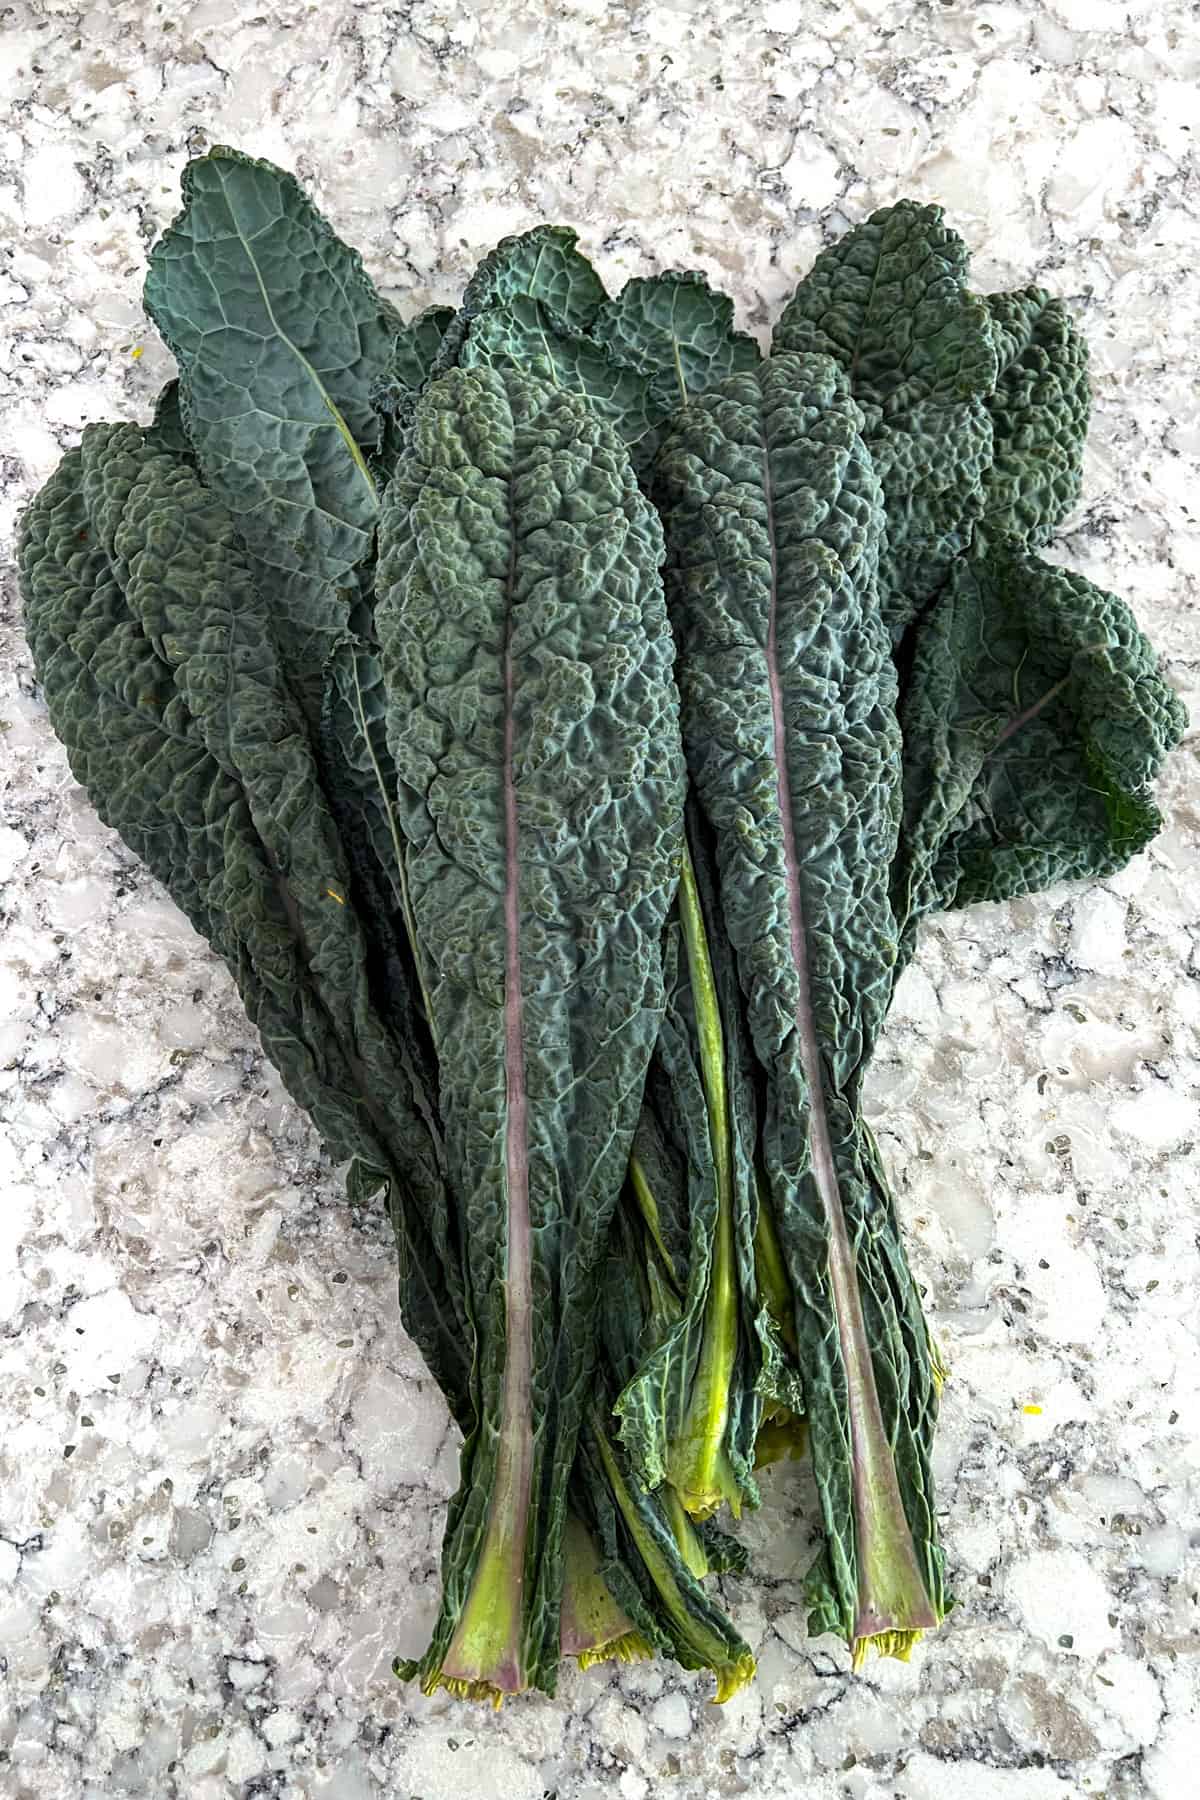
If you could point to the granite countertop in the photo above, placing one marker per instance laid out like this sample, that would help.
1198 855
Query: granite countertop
223 1468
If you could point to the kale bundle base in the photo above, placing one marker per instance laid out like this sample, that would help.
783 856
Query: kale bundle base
559 717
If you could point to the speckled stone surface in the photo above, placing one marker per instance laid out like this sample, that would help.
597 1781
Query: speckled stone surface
222 1467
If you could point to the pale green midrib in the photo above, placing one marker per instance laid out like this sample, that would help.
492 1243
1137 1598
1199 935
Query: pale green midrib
339 422
679 376
533 273
648 1208
696 1635
546 343
769 1270
699 1461
687 1538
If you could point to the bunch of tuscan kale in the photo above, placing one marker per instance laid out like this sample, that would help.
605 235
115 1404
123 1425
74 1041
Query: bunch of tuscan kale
559 717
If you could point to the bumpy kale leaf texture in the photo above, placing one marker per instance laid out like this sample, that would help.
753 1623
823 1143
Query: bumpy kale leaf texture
532 722
560 719
774 518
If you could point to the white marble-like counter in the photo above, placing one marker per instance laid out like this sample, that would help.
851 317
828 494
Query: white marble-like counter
222 1467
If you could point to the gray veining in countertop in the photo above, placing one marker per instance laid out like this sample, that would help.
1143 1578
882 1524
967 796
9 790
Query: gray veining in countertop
223 1468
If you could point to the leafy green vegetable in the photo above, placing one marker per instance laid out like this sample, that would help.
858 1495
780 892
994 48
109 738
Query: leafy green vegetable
410 366
417 347
353 739
700 1467
525 334
1039 417
695 1629
714 1391
677 333
281 341
774 519
532 724
156 656
167 432
656 1556
661 342
542 265
674 1412
1035 720
768 1397
363 647
889 302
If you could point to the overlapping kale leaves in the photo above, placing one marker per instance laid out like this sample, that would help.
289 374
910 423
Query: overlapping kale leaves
362 646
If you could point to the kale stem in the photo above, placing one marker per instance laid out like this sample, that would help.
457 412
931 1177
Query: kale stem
770 1273
695 1558
648 1207
699 1466
593 1626
710 1651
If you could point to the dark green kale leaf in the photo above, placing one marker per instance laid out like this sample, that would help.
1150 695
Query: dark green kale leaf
774 520
524 334
678 333
155 651
166 431
417 347
542 265
413 357
889 301
532 722
281 341
1035 720
1039 415
662 341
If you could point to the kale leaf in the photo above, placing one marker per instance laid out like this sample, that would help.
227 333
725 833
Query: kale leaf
889 301
774 521
532 723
